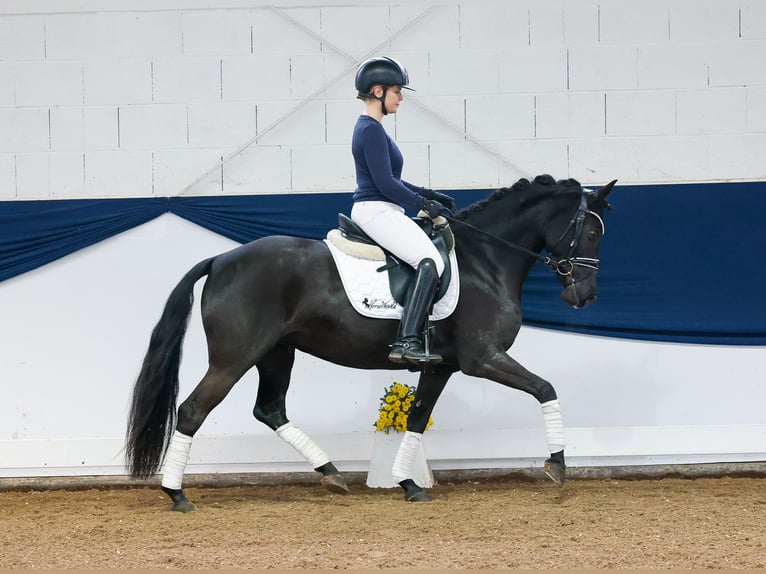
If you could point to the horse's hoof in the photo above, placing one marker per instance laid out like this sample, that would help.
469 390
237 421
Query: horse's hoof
413 492
555 471
183 506
421 496
334 483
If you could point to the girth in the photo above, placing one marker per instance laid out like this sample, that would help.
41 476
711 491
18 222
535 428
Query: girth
400 274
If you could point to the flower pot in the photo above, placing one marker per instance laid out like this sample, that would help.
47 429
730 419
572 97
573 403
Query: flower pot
385 447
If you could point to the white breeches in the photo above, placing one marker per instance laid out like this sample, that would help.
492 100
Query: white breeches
393 230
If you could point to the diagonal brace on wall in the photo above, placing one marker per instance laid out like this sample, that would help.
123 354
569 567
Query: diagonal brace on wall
353 65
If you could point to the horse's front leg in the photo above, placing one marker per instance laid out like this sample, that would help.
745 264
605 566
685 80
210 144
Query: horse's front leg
430 386
497 366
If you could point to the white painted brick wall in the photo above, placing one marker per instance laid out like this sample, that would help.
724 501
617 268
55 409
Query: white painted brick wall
216 32
224 125
153 127
60 174
22 38
49 84
639 90
187 80
123 173
7 176
640 114
117 82
84 128
24 129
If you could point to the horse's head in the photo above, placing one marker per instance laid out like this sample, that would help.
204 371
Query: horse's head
574 247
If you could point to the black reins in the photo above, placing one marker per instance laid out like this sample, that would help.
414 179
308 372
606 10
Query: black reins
563 266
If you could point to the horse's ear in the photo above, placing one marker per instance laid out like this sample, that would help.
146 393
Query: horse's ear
603 192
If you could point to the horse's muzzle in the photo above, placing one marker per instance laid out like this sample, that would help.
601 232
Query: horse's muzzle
578 294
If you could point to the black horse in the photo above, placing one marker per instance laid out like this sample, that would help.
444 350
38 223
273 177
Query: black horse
266 299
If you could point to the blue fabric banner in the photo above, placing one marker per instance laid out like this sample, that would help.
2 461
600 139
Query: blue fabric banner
679 262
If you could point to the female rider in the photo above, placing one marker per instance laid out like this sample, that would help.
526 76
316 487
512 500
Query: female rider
381 197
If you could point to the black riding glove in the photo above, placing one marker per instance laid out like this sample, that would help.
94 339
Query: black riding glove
433 208
442 198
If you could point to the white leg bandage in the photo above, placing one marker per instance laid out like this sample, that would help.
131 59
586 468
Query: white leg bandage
405 456
175 460
554 426
301 442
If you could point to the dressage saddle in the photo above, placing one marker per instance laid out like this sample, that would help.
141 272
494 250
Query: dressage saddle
400 274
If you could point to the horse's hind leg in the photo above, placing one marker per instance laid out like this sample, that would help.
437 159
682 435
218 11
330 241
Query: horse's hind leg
274 378
211 390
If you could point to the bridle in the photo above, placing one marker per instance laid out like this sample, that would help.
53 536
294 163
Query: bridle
565 266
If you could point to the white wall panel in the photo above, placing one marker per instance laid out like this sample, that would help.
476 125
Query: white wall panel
703 20
256 78
176 169
59 174
113 35
673 158
738 64
604 159
322 167
77 128
22 38
673 66
302 126
216 32
262 169
117 82
575 114
187 80
532 69
49 84
307 75
500 117
464 72
718 111
449 161
641 113
341 117
417 123
633 21
7 176
7 84
742 154
440 30
755 104
603 68
416 169
753 19
275 32
118 173
546 22
484 24
371 27
581 19
153 127
24 129
224 125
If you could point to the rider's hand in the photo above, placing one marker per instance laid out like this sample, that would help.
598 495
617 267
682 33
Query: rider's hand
444 199
433 208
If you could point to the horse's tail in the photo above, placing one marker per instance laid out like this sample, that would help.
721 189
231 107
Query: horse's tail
153 407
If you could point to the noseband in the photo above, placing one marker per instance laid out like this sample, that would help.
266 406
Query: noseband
565 266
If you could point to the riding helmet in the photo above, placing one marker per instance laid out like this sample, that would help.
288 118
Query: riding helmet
385 71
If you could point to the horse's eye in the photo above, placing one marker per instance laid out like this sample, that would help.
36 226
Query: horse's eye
594 234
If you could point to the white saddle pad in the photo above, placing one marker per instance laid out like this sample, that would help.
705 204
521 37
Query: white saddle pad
369 292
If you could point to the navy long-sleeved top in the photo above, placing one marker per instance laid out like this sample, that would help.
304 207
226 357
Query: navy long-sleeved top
379 164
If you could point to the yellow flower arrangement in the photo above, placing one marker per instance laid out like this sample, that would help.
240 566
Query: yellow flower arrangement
394 408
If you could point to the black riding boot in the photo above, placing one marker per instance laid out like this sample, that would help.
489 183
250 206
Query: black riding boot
408 347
